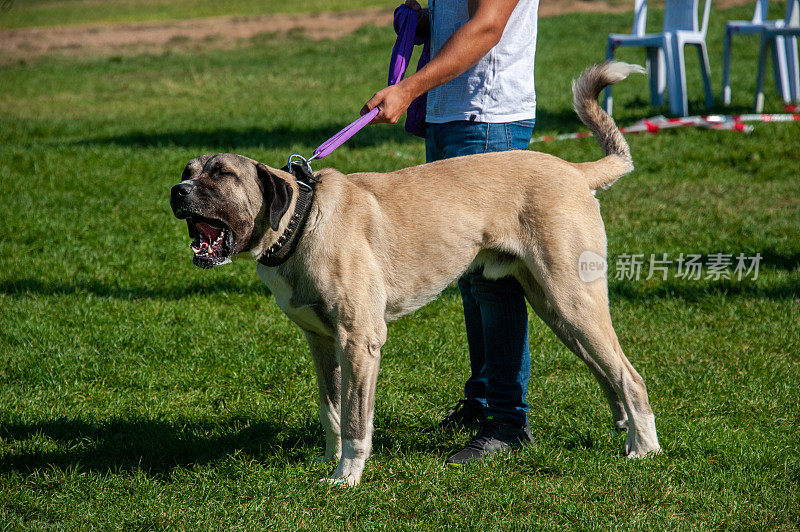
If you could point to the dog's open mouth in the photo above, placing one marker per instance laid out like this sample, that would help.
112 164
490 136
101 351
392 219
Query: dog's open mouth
213 241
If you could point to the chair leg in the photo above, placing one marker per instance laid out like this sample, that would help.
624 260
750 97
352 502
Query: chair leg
669 60
656 71
726 68
679 103
779 68
792 70
762 58
662 73
608 102
705 70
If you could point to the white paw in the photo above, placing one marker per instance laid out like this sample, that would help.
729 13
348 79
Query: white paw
348 471
642 439
344 482
638 447
643 453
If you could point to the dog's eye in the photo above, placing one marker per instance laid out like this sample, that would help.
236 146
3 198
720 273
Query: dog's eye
226 174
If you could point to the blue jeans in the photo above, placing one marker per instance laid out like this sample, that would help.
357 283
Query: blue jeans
494 311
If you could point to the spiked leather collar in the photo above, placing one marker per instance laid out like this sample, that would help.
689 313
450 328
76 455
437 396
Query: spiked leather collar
282 249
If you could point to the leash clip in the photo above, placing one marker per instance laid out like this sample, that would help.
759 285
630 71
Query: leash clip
300 168
295 157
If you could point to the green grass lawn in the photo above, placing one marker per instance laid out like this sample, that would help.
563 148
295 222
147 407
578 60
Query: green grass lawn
29 13
139 392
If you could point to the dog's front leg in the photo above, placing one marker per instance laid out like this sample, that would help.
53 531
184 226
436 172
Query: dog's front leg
360 353
329 378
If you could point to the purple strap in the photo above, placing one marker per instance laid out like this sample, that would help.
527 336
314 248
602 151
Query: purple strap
344 135
418 110
405 24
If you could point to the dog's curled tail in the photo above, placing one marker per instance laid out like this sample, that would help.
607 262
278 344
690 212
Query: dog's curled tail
585 89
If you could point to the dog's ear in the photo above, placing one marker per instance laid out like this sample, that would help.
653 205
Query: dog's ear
277 192
194 167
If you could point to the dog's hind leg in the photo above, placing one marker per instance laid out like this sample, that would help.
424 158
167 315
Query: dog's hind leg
359 349
583 309
535 296
329 377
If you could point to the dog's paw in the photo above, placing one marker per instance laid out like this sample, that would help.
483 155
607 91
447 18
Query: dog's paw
348 472
642 439
638 447
345 482
643 454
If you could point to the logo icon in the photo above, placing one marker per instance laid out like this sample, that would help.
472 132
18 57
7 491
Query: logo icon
591 266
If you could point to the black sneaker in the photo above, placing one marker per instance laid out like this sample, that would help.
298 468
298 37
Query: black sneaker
465 415
493 437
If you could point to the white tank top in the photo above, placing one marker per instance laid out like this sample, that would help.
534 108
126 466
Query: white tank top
499 88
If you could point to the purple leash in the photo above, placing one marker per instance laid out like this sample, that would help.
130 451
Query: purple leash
405 24
327 147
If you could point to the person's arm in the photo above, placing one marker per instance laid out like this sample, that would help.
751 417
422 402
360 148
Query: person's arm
461 51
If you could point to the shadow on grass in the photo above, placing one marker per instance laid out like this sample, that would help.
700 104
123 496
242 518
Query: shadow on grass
286 137
28 286
696 290
280 137
628 289
699 290
153 446
688 290
632 290
156 447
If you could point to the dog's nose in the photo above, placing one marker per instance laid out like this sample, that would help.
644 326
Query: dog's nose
182 189
179 193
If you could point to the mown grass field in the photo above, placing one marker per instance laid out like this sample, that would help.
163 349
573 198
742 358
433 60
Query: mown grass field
32 13
139 392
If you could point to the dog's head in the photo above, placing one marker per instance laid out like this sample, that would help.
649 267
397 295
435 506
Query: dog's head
229 203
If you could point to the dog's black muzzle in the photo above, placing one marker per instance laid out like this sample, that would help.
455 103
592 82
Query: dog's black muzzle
179 196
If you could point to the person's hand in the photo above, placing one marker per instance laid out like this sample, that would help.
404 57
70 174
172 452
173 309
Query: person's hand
393 102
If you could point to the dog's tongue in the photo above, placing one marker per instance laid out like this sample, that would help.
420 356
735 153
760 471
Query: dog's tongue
209 231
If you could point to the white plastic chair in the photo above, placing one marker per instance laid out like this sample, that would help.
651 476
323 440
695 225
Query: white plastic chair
680 19
656 66
782 37
681 27
779 51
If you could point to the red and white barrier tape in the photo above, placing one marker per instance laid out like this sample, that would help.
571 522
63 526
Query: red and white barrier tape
719 122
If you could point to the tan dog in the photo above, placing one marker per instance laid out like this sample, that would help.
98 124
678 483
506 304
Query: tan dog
378 246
